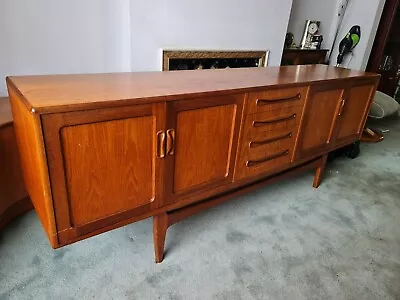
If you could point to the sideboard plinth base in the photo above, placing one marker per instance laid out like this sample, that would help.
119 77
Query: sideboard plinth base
162 221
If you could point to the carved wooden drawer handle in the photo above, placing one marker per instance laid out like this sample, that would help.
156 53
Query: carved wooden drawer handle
170 141
270 140
252 163
261 123
261 102
342 103
160 144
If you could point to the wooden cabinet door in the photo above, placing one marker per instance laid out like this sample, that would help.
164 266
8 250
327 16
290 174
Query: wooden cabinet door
318 121
354 110
204 133
103 165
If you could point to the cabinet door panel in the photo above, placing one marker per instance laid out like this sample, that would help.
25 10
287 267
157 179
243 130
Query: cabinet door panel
103 166
205 132
109 167
319 118
352 119
203 145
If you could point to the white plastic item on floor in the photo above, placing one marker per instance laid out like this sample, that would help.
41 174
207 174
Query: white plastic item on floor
383 106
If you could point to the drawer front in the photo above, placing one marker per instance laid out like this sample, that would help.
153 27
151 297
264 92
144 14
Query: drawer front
271 140
264 160
268 150
284 118
257 136
267 141
275 99
265 151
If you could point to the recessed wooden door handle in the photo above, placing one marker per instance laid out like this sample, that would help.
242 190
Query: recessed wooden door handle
160 144
252 163
260 123
341 107
267 101
170 141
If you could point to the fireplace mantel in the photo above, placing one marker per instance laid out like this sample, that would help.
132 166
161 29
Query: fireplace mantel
198 59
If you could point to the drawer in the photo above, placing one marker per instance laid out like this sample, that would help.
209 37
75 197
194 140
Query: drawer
258 164
258 137
264 151
270 160
260 150
285 118
275 99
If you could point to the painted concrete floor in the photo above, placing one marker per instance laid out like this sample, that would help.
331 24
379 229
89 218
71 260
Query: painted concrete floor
285 241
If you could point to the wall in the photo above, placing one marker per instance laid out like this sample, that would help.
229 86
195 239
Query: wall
206 24
75 36
365 13
57 36
320 10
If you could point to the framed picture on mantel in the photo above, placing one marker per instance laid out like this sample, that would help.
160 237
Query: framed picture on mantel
212 59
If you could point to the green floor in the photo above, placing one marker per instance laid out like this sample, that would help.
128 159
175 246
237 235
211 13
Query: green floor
285 241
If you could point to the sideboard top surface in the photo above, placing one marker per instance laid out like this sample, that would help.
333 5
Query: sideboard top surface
51 93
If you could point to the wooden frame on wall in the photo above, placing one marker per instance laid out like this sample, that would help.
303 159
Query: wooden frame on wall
262 56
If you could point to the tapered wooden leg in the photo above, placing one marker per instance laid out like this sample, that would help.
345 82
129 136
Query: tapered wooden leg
319 171
160 226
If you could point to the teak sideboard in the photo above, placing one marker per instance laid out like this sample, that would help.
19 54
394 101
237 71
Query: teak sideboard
100 151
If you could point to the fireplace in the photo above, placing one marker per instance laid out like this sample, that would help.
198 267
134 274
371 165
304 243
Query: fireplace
206 59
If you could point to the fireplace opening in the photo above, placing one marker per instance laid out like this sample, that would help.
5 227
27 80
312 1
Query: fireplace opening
197 60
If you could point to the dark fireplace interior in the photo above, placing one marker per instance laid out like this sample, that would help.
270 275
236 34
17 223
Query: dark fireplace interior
212 63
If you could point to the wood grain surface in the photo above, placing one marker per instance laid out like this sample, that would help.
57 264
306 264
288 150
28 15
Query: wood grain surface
14 199
203 143
357 103
12 186
206 134
33 161
109 167
268 136
103 163
5 111
320 112
117 148
274 99
49 93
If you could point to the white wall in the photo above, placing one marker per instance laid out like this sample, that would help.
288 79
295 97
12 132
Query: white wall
365 13
58 36
206 24
76 36
320 10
